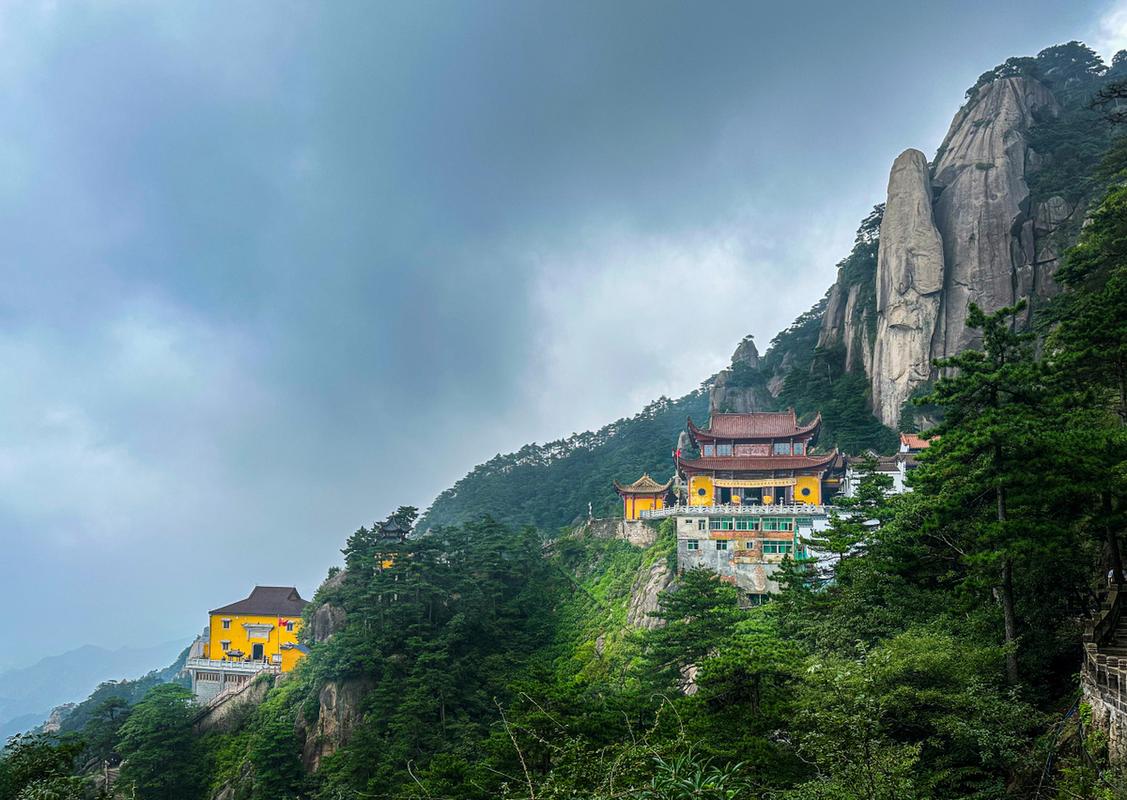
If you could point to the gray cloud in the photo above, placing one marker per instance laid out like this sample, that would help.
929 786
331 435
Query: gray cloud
270 271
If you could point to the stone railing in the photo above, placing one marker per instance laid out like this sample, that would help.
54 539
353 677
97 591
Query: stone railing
791 510
232 665
1104 671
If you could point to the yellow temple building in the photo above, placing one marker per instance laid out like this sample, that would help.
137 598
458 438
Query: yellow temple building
760 458
644 494
258 633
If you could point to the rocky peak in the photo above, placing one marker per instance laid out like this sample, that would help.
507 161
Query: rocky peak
740 388
982 210
909 279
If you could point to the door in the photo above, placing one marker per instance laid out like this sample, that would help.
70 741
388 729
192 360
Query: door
256 652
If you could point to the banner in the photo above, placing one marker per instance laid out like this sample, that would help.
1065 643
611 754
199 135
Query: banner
753 483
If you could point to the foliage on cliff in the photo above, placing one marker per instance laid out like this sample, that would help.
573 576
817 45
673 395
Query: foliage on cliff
550 485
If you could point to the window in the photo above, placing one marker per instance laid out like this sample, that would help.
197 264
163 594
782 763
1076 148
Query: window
702 524
226 624
721 544
688 522
778 524
778 547
692 544
708 449
226 645
782 448
749 544
747 524
289 626
800 448
723 449
722 524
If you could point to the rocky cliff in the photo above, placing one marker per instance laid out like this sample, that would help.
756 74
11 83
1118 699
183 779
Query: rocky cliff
965 229
740 388
909 281
982 207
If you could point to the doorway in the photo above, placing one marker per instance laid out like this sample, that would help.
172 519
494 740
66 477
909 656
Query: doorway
256 653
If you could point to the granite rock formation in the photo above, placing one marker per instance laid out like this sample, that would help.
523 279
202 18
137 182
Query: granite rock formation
982 209
909 280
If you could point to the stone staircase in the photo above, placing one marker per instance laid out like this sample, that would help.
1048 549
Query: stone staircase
1103 675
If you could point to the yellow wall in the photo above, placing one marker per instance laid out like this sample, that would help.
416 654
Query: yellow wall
814 484
632 504
236 634
696 483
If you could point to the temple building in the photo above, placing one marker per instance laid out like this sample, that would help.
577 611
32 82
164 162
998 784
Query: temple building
644 494
751 493
258 633
760 458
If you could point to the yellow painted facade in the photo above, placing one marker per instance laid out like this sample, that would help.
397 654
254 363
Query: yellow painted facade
633 504
245 632
696 484
808 490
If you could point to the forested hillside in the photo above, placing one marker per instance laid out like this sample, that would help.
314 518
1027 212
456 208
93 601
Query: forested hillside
508 659
550 485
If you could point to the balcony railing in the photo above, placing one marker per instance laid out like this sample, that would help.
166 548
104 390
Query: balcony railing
790 510
232 665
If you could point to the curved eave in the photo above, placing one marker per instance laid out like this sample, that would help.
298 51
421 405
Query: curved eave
758 463
655 490
810 430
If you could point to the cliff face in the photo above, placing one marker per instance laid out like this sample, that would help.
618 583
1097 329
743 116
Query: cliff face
967 232
908 284
982 209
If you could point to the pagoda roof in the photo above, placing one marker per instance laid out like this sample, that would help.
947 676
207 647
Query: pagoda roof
758 463
756 425
267 601
644 485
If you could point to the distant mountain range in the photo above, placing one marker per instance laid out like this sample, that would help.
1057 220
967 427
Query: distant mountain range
28 694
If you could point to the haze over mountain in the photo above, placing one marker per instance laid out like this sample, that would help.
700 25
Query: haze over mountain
316 265
27 694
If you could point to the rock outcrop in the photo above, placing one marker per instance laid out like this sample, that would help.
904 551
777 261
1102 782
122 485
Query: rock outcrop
965 232
740 388
909 280
338 712
844 325
649 583
325 621
982 209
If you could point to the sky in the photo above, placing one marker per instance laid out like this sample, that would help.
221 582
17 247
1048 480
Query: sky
271 269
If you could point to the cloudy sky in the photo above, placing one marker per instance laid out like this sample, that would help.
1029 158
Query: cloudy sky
271 269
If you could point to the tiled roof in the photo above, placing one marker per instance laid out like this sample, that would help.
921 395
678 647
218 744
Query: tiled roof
757 463
267 601
757 425
644 485
913 441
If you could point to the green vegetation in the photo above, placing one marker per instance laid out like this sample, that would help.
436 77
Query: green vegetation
932 656
550 485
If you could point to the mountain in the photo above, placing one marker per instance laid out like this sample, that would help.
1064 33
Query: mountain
28 694
550 485
984 222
